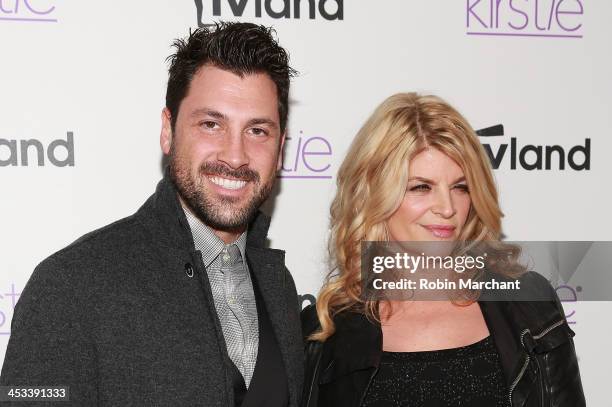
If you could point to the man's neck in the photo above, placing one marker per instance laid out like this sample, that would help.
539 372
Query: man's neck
226 236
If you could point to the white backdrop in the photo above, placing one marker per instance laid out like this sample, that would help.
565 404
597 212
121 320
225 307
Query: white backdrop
97 70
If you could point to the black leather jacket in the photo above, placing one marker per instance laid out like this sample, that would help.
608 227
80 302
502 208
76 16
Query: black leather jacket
533 340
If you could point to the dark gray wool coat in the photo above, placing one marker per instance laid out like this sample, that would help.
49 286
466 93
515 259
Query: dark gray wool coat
119 317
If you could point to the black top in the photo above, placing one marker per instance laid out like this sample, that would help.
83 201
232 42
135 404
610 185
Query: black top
466 376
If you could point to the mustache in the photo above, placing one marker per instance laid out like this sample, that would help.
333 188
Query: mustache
242 173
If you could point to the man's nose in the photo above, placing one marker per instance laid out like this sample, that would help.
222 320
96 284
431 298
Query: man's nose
233 151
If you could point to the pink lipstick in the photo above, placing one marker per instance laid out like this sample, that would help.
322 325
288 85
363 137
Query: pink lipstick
441 231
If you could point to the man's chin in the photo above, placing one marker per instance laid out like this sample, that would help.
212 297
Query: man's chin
227 214
229 223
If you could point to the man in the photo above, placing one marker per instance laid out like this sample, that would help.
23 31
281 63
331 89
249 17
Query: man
180 304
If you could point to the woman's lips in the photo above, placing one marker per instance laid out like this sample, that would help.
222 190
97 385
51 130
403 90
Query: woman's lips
441 231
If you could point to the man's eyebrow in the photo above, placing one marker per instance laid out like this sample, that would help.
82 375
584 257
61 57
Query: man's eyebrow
218 115
208 112
262 120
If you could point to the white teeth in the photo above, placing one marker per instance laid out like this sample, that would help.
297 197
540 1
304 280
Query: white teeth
228 183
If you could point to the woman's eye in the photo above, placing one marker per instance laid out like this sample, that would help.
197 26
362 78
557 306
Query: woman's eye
419 188
462 187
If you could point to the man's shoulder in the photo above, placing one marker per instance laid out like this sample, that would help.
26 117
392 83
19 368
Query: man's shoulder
108 240
103 249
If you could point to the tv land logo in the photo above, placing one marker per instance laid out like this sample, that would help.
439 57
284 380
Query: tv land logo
535 157
306 158
525 18
40 11
24 153
287 9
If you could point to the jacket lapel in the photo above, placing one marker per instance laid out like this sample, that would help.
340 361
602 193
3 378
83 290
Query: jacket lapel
506 336
268 267
356 345
349 359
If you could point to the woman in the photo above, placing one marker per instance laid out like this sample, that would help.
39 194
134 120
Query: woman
417 172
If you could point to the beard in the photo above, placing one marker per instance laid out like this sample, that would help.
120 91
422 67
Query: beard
218 212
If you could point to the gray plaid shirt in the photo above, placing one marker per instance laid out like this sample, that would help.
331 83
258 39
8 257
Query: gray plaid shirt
233 294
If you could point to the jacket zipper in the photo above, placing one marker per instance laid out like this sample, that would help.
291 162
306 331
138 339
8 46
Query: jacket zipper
527 359
520 375
550 328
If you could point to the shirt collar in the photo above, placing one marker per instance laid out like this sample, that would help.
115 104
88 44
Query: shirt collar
207 242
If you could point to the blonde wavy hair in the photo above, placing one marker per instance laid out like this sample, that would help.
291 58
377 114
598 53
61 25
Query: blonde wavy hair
371 186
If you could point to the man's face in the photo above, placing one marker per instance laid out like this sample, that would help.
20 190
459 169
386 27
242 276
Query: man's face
225 148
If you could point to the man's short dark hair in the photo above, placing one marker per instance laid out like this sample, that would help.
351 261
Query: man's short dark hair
241 48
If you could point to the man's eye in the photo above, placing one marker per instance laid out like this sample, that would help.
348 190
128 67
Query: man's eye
256 131
209 124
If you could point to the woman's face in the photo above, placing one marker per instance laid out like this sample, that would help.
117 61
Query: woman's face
437 200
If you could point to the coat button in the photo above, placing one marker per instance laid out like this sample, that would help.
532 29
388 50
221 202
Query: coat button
188 270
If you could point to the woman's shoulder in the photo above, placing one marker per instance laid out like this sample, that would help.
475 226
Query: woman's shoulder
528 286
537 306
537 288
347 321
536 281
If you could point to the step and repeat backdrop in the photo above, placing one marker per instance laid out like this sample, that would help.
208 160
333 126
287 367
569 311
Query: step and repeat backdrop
82 86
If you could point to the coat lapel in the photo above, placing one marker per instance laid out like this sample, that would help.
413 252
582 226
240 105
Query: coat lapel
268 267
506 336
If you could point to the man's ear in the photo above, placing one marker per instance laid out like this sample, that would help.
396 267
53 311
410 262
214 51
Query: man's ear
281 152
165 137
